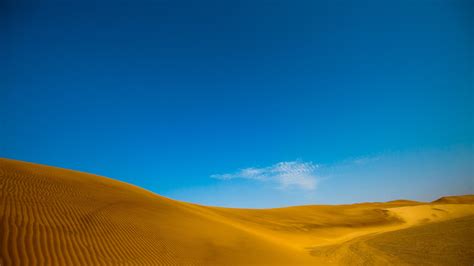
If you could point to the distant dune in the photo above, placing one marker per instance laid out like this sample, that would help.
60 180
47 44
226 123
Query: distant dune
455 199
53 216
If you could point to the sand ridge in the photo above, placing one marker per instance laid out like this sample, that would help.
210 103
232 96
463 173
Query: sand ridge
54 216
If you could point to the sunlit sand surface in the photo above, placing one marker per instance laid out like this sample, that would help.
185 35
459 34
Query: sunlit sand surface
53 216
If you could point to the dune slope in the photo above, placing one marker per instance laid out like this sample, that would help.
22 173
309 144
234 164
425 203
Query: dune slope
53 216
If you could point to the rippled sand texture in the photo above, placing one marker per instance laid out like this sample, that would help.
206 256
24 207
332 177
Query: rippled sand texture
53 216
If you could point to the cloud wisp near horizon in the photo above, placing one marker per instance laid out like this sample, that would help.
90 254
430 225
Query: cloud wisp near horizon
292 174
422 175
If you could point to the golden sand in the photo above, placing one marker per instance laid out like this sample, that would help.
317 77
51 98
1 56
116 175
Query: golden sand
53 216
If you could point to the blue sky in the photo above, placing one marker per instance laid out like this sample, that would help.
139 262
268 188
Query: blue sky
175 96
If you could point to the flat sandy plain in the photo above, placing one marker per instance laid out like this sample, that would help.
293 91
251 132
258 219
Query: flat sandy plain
54 216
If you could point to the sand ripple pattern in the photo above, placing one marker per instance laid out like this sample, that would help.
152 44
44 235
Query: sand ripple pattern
56 217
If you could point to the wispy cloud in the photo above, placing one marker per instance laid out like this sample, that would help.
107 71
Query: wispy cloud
293 174
419 175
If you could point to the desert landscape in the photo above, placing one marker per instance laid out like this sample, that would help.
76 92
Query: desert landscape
292 133
54 216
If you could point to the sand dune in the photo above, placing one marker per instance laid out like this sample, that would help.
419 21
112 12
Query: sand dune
53 216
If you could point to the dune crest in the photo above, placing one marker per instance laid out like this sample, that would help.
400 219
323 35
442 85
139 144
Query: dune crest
54 216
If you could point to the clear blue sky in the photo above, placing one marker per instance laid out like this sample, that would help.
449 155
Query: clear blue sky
169 95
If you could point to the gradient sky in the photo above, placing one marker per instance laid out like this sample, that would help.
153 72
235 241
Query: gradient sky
363 100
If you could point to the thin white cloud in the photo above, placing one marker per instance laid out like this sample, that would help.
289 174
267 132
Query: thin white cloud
423 175
293 174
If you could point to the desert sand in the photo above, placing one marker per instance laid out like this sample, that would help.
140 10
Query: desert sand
54 216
